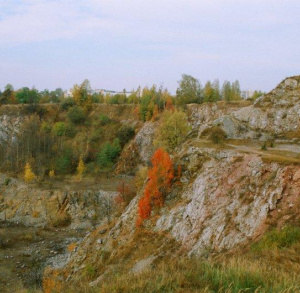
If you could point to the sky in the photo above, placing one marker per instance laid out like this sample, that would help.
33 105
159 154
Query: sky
119 44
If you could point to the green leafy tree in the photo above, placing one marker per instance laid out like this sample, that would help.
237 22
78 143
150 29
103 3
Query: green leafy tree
28 96
226 91
188 91
236 90
8 96
216 89
208 92
82 94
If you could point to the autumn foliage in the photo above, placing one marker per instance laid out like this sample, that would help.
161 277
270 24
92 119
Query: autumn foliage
51 281
125 194
160 178
169 105
28 174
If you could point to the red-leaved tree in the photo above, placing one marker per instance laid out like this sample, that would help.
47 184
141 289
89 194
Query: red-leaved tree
160 178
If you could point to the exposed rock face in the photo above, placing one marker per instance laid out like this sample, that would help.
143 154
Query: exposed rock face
226 204
273 114
144 141
9 126
139 150
22 203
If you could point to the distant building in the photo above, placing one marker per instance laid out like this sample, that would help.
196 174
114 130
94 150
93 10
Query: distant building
112 93
67 94
247 94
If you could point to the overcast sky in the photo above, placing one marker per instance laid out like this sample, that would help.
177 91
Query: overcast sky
119 44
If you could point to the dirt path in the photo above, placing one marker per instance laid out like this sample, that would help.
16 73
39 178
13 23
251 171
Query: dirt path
282 152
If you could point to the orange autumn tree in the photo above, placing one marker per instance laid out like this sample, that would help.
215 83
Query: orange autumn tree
169 105
160 178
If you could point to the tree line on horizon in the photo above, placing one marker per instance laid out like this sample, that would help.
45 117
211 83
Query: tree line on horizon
190 90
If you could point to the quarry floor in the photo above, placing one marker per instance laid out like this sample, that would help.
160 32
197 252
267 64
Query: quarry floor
25 251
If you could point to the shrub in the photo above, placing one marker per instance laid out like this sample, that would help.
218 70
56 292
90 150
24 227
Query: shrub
104 120
125 134
109 153
283 238
46 127
7 181
28 174
125 193
67 103
63 129
264 147
70 130
59 129
64 163
76 115
216 134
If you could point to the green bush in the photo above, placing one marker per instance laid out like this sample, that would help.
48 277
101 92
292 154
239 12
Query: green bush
7 181
65 163
216 134
76 115
104 120
264 147
70 130
67 103
59 129
125 134
46 127
63 129
283 238
109 153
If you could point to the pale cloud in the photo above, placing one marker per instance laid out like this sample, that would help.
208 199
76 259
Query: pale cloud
112 40
34 21
157 20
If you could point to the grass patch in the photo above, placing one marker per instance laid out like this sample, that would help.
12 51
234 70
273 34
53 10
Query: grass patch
279 239
237 275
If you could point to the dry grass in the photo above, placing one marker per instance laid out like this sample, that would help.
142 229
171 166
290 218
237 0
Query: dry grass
60 219
232 275
271 265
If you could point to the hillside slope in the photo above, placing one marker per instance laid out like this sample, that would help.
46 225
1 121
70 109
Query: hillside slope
229 197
